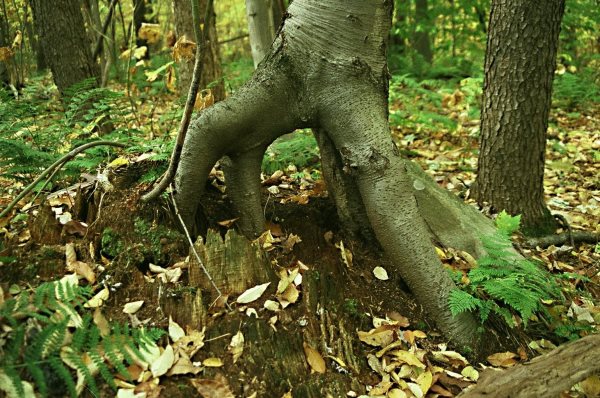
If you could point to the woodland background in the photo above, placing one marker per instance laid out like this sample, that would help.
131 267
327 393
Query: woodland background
84 216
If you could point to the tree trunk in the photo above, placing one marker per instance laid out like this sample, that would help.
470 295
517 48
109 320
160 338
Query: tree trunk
278 9
519 69
260 28
40 60
545 376
211 72
4 42
62 36
317 77
421 39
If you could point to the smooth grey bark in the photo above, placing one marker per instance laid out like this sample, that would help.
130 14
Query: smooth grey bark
260 28
326 70
519 70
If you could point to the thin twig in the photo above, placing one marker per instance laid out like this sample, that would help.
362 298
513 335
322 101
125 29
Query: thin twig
167 178
189 238
102 35
59 163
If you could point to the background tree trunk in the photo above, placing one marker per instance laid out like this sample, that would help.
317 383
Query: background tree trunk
211 72
260 28
62 35
421 39
519 69
4 42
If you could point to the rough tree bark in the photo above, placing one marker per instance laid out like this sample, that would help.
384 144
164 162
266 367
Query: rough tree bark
545 376
59 25
260 28
4 42
326 70
519 69
211 72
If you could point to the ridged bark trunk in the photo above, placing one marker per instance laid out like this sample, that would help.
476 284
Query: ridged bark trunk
211 72
519 69
4 42
326 70
260 28
59 25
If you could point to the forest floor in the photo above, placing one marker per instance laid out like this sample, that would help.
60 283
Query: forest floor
129 247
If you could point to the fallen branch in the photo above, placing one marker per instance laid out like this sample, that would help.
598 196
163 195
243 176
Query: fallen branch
562 238
545 376
200 37
59 163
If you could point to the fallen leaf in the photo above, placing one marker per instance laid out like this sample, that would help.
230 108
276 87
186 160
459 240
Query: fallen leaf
163 363
379 337
252 294
208 388
503 359
79 267
380 273
176 332
408 357
133 307
98 299
236 346
470 373
212 362
314 359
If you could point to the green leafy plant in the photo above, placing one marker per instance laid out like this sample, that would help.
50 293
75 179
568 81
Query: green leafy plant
45 340
504 284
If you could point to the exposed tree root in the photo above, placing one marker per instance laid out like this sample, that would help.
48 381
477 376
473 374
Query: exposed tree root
545 376
340 89
564 238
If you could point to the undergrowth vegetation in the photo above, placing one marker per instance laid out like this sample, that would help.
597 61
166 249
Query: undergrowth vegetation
517 289
51 343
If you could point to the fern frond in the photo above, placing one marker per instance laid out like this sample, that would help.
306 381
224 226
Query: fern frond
63 372
461 301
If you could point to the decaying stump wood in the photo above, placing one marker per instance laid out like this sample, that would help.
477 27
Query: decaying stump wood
545 376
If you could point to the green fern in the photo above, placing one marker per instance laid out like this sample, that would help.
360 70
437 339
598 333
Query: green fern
42 343
503 283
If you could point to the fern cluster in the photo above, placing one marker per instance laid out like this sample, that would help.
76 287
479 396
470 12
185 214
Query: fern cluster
35 130
503 283
299 149
44 338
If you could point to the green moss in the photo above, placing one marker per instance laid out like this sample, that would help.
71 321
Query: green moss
111 243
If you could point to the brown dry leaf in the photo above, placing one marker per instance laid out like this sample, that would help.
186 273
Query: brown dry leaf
184 49
149 32
218 388
183 365
591 386
191 343
79 267
151 388
400 320
289 243
503 359
75 228
441 391
407 357
6 53
379 337
314 359
204 99
227 223
289 296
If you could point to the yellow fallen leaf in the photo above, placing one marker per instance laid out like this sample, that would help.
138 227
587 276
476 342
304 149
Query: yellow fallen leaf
118 162
379 337
236 346
252 294
314 359
470 373
212 362
408 357
591 386
133 307
380 273
425 380
396 393
98 299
